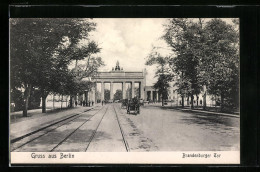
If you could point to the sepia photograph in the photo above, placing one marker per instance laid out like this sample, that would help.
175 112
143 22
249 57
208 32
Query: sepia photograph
124 90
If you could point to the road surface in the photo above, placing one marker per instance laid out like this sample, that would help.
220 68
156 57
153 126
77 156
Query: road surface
109 128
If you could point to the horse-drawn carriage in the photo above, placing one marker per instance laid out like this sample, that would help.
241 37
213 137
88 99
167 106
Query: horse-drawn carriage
133 105
124 103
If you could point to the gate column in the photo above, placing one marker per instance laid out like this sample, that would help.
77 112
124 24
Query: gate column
141 88
111 91
83 96
123 90
102 91
94 93
133 89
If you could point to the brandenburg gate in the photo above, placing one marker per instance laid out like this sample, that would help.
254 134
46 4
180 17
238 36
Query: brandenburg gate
118 75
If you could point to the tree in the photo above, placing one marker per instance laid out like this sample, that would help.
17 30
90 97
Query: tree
183 36
36 59
98 96
35 99
107 94
206 55
128 93
163 73
163 85
118 95
16 97
137 92
221 62
88 67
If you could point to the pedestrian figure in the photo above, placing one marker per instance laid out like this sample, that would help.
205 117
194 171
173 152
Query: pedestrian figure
84 102
76 103
102 102
89 103
92 103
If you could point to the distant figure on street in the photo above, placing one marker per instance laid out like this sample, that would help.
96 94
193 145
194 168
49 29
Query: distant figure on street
92 103
76 103
84 102
102 102
89 103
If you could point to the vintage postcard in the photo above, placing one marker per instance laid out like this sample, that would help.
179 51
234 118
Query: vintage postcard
124 91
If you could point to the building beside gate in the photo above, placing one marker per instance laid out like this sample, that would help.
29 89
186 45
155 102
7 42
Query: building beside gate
175 99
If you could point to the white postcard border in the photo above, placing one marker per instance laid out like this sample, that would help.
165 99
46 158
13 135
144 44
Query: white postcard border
180 157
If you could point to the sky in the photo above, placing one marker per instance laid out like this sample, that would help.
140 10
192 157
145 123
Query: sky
129 41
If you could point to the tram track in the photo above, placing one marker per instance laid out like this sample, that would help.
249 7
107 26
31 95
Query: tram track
122 131
40 134
60 143
47 129
95 131
120 128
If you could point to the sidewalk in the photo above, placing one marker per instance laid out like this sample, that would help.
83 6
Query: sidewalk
186 109
34 113
36 119
209 112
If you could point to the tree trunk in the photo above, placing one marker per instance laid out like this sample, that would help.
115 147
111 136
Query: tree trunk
44 104
53 104
197 101
192 99
61 100
182 101
204 101
44 95
76 65
204 98
70 103
27 93
222 102
162 102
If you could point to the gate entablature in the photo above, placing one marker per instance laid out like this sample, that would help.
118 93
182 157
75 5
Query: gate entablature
118 75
